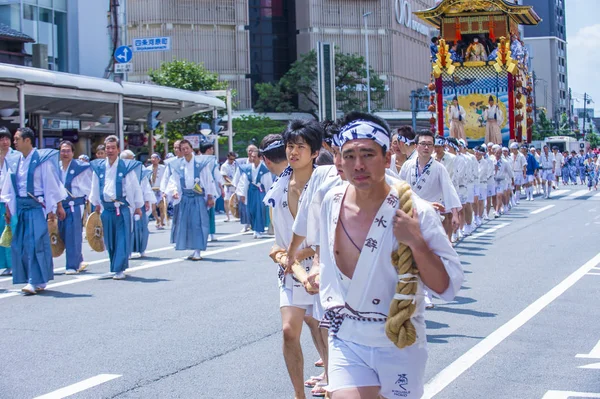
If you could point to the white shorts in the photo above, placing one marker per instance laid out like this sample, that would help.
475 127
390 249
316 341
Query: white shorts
399 372
501 186
470 193
229 191
547 175
483 191
558 172
285 299
462 194
530 178
519 179
491 188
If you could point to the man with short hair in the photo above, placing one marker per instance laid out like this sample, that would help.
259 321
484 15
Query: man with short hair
101 152
482 180
252 152
5 150
519 166
580 162
471 174
361 225
292 157
530 170
76 176
141 234
228 171
165 182
117 196
207 148
559 165
458 176
157 170
548 166
406 141
502 171
255 179
193 188
31 192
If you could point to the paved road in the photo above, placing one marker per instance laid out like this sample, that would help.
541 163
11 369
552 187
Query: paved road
211 329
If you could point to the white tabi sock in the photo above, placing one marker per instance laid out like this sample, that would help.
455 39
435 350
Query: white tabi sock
196 254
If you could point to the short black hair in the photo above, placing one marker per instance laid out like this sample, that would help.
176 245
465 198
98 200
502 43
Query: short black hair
67 142
207 145
407 132
275 155
184 141
111 139
4 132
101 147
434 39
27 133
231 154
311 132
324 158
424 133
330 130
452 140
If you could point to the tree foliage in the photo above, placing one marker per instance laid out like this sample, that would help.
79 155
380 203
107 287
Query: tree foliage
252 129
300 83
594 139
186 75
542 128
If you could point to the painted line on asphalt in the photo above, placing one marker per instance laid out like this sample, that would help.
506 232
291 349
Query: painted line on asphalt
542 209
80 386
577 194
593 274
488 231
569 394
558 193
473 355
84 278
99 261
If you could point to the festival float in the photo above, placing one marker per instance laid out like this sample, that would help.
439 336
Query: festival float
480 54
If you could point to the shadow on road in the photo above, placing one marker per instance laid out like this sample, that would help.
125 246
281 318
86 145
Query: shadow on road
434 325
63 295
468 254
137 279
466 312
443 338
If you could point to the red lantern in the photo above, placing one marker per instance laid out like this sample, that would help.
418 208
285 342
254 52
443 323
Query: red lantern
431 86
431 108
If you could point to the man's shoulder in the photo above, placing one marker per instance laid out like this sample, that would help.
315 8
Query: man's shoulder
335 193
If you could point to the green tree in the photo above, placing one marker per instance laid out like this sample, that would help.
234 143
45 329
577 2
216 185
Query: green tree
543 128
186 75
594 139
252 129
300 83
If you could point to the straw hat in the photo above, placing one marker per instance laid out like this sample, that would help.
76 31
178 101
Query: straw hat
94 232
57 244
234 206
6 238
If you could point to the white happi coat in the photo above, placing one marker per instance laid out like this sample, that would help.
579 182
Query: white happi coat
242 184
155 181
472 169
306 223
277 198
518 163
47 187
434 185
81 185
132 190
206 179
373 284
164 181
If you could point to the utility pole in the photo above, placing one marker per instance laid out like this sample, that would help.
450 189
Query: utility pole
365 15
584 115
534 100
570 110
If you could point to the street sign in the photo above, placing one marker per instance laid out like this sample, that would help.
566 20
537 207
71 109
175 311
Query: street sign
194 140
124 68
123 54
152 44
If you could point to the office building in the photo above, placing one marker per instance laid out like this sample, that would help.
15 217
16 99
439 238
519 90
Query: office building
547 44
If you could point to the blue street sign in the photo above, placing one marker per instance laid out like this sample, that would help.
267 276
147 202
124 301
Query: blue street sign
123 54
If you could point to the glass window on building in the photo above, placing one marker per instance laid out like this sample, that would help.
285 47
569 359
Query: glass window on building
45 21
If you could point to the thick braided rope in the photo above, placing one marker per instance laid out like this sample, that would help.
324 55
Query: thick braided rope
398 327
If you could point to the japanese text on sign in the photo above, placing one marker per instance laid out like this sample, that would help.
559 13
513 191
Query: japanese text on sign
152 44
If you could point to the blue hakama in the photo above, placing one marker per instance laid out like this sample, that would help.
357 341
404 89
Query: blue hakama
192 228
256 209
140 234
71 232
117 235
31 250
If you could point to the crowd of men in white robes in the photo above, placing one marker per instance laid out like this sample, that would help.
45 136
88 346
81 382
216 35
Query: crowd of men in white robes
330 193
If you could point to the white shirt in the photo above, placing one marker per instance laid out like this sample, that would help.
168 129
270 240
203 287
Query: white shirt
519 162
547 161
132 191
454 112
489 112
381 276
46 185
205 180
160 171
81 185
435 184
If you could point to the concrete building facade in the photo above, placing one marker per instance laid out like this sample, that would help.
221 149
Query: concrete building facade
547 44
252 41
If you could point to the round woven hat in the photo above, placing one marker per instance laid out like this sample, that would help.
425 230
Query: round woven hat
56 243
234 205
94 232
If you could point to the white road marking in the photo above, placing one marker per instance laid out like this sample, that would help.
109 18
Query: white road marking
569 394
593 274
96 262
79 387
542 209
593 366
488 231
559 193
594 353
577 194
473 355
150 265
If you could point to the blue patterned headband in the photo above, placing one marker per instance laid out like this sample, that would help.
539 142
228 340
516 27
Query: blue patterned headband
363 129
273 146
439 141
405 140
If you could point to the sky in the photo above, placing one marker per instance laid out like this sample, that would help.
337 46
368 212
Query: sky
583 50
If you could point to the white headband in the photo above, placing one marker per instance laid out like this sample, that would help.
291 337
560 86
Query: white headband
440 141
405 140
274 145
363 129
